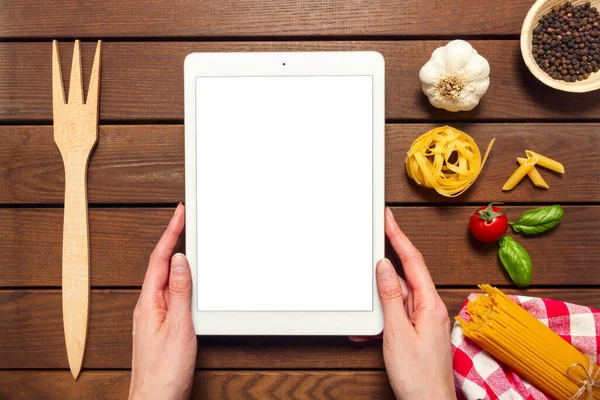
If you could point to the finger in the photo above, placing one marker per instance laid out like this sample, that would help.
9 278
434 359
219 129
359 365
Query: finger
362 339
390 293
405 289
180 288
415 270
405 298
158 267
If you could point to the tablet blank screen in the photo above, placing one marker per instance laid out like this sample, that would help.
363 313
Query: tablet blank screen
284 193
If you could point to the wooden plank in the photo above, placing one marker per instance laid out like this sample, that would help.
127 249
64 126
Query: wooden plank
564 142
131 164
563 256
32 335
149 18
145 164
122 239
221 385
144 80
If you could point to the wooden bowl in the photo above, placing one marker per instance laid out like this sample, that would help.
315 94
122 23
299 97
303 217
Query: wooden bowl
539 9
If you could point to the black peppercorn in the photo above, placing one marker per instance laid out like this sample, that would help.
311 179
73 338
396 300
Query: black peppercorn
566 42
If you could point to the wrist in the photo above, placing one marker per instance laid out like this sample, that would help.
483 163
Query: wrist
140 393
137 393
438 393
443 394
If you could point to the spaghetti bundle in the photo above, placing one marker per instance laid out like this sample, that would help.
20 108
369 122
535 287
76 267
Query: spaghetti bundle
516 338
445 159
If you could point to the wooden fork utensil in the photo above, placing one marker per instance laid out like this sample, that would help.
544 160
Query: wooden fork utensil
75 134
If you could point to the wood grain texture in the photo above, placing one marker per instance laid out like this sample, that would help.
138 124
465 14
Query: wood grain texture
145 164
122 239
130 164
580 183
455 258
218 385
144 80
32 335
187 18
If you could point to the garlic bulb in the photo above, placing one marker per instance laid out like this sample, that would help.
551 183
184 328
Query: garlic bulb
455 77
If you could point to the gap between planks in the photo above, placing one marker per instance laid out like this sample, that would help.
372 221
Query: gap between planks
418 121
291 38
444 287
391 205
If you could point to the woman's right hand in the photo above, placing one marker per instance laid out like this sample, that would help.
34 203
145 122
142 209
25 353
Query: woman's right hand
416 334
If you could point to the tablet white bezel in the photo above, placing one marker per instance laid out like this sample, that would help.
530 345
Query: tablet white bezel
286 64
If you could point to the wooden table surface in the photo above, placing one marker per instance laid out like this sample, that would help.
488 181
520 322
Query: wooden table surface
136 177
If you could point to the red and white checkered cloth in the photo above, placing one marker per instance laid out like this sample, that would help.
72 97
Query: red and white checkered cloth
478 376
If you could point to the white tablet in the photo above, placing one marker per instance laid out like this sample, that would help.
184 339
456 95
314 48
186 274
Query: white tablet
284 190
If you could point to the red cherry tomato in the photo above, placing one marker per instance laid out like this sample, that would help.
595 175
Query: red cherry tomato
488 224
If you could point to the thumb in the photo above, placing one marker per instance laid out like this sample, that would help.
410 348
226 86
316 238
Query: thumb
180 287
390 293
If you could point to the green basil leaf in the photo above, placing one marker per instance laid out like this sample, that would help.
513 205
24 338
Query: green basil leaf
539 220
516 261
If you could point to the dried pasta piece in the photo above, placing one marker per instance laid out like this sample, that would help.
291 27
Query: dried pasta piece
519 173
534 175
546 162
445 159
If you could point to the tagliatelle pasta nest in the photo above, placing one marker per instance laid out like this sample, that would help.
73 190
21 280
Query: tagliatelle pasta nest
445 159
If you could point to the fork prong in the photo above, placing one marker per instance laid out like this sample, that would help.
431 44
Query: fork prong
76 84
58 90
94 88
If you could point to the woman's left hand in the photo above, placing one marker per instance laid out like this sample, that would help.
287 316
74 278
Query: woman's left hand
164 340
